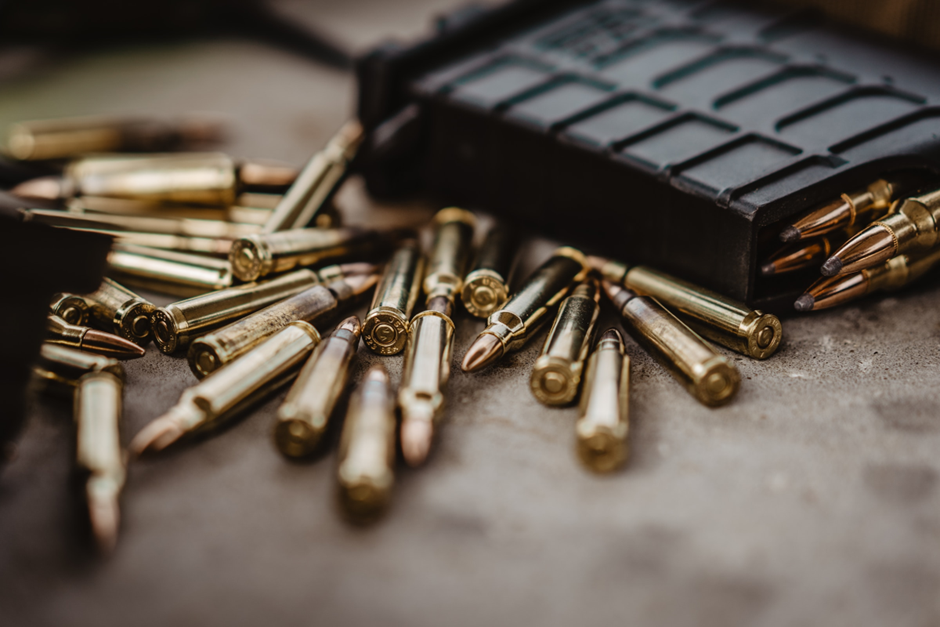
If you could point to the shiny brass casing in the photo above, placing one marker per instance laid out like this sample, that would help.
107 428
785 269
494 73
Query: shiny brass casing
70 307
486 286
427 366
210 352
239 215
366 469
723 320
385 328
450 252
556 376
528 309
168 271
60 332
120 310
303 418
915 224
308 197
150 224
708 376
177 324
59 368
603 425
257 256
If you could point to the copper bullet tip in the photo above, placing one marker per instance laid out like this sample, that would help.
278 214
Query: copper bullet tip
157 435
110 345
789 234
417 431
484 350
351 324
768 269
104 515
43 187
804 303
361 283
831 267
872 246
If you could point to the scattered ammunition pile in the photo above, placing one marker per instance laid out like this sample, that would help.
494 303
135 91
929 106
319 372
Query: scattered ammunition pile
256 318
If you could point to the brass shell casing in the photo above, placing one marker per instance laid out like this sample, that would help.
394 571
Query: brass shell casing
70 307
450 252
117 308
98 421
385 328
427 366
304 416
528 309
200 228
556 376
168 271
723 320
238 215
257 256
486 286
188 178
177 324
366 468
708 376
603 426
59 368
915 224
60 332
210 352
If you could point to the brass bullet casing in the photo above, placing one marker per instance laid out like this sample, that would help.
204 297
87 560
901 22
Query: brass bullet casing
708 376
214 350
177 324
183 227
256 256
309 196
167 271
556 376
450 252
303 418
603 426
59 368
70 307
99 454
116 308
486 286
724 321
60 332
62 138
366 469
240 215
385 328
915 224
257 372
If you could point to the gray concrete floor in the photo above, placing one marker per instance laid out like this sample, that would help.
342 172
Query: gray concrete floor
813 499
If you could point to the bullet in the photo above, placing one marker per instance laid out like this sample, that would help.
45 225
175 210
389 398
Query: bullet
185 227
724 321
213 179
486 286
60 332
303 418
117 309
311 192
214 350
891 275
177 324
603 426
170 243
70 307
804 255
708 376
258 372
168 271
385 328
256 256
99 454
450 252
63 138
366 469
845 211
511 326
912 228
556 376
242 215
59 368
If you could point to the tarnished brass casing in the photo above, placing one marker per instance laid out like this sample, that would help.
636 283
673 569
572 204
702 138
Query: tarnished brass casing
427 366
556 376
723 320
366 469
70 307
177 324
309 196
528 309
59 368
708 376
603 425
486 286
117 308
167 271
385 328
257 256
210 352
915 224
450 252
303 418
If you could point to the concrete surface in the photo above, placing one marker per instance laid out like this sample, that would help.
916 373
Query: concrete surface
813 499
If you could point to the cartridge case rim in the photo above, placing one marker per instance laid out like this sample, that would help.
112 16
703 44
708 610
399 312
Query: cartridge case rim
167 324
715 381
764 332
294 436
555 381
455 214
601 450
249 258
385 330
484 291
133 321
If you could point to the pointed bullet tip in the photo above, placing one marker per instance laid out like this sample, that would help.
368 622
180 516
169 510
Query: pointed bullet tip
416 436
804 303
111 345
104 515
768 269
832 266
156 436
789 234
485 350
